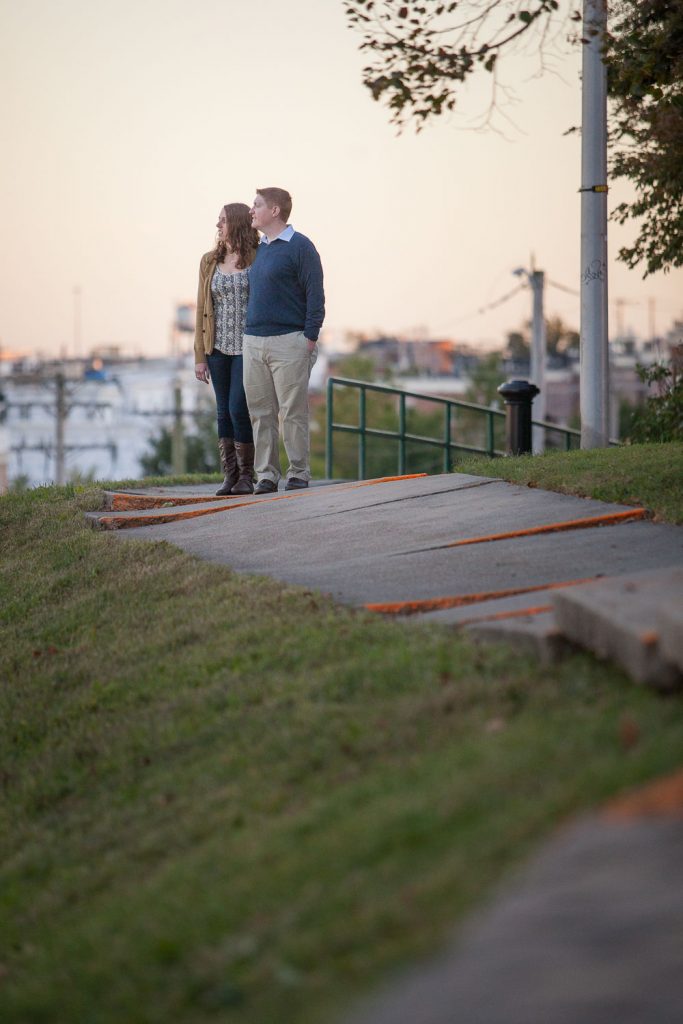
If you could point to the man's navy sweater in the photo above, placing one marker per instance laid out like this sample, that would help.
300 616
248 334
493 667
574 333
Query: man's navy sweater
286 289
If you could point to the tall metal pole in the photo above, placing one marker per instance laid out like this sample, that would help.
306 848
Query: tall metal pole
60 417
538 355
4 443
594 343
78 322
178 436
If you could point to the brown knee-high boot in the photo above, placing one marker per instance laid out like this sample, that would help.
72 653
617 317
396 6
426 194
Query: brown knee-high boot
226 448
245 463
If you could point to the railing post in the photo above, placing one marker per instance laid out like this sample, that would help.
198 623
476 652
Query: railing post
447 439
329 460
518 396
490 439
361 435
402 434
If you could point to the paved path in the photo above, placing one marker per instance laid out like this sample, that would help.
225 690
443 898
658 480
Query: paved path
591 933
390 542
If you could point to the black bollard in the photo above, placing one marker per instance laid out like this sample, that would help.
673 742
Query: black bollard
518 396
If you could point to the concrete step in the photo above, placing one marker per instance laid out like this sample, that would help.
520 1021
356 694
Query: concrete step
535 632
155 515
635 619
526 621
126 501
621 618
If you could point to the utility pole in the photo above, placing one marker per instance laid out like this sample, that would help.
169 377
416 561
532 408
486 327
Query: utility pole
58 406
60 419
78 321
619 307
4 443
539 348
594 394
178 437
538 355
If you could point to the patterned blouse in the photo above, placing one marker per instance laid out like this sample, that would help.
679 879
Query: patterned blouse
230 294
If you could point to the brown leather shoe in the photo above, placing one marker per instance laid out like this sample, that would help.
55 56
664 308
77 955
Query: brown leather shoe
245 463
265 486
295 483
226 450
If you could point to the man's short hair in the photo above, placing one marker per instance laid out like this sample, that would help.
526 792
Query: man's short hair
277 197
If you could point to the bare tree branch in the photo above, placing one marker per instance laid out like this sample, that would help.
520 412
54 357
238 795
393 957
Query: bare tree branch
422 56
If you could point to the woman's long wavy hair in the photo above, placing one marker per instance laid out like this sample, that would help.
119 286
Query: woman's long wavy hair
242 237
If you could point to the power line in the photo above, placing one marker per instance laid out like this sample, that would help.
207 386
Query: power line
502 299
490 305
563 287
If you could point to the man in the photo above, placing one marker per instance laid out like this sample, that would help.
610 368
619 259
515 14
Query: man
284 317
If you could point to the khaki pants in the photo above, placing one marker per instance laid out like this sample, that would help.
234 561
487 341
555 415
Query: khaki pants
276 372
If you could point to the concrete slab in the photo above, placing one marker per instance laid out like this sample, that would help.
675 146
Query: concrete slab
618 618
389 489
362 544
590 933
346 568
525 621
506 504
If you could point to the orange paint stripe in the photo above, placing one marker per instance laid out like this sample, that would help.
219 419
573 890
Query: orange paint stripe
518 613
569 524
388 479
432 604
664 797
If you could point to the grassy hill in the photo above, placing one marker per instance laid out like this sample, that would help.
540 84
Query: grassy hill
224 798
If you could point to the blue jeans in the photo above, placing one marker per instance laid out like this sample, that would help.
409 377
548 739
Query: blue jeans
231 403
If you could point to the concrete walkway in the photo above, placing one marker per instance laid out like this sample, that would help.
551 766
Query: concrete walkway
389 542
475 552
592 931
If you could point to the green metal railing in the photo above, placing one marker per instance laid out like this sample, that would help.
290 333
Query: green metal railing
402 437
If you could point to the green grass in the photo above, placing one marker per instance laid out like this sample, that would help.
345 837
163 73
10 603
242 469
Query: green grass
649 475
226 799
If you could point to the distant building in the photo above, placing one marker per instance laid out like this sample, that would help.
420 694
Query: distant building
111 415
417 357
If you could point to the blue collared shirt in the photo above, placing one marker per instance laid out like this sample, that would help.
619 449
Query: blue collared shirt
284 236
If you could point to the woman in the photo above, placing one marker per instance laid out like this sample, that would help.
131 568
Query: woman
221 311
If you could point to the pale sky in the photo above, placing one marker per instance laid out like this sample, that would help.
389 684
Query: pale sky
126 126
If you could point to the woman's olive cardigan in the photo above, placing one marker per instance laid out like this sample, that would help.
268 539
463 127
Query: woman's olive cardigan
205 324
